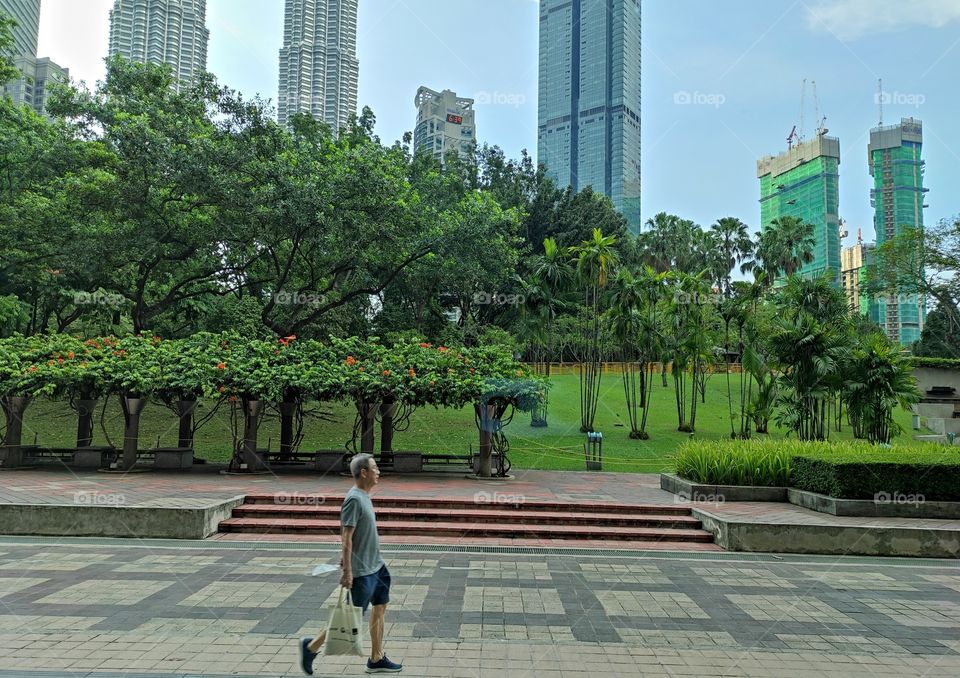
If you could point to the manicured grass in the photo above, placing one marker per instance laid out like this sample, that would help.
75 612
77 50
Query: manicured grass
559 446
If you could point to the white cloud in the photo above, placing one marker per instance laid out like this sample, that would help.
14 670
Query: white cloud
852 19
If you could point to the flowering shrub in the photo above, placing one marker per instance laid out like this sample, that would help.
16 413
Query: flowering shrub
228 365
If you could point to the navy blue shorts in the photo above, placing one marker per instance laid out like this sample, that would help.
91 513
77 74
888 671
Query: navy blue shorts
372 589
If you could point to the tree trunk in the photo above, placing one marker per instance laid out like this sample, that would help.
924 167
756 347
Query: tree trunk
13 409
367 426
251 424
387 411
486 415
185 410
132 409
288 411
85 409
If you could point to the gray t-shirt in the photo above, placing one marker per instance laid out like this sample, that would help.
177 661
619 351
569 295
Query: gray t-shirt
357 511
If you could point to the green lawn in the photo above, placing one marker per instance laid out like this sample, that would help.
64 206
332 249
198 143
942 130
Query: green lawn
559 446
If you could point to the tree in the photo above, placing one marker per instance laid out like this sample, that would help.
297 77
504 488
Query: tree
879 380
784 246
939 338
8 71
733 246
595 259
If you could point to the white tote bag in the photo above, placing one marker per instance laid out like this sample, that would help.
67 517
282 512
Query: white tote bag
344 631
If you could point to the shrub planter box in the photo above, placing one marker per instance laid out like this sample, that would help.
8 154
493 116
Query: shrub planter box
94 457
886 506
407 462
329 461
173 458
719 493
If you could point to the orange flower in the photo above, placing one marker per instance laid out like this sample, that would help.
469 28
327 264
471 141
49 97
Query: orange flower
33 368
442 348
70 355
386 373
222 366
412 372
424 345
291 337
232 399
472 370
222 389
351 360
60 360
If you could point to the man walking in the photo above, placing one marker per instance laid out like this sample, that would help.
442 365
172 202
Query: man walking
364 571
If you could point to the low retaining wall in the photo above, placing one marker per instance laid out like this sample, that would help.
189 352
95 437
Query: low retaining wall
896 507
719 493
110 520
866 540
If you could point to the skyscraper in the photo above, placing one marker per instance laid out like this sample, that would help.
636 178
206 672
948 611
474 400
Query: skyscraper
170 32
27 15
589 98
804 182
31 88
897 198
318 61
445 122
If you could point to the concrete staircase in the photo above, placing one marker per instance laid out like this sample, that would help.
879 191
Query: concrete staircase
469 522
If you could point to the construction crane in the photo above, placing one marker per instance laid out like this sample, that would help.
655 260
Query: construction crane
793 138
803 95
821 121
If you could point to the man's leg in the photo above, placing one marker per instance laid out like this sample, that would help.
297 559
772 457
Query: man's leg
317 642
376 632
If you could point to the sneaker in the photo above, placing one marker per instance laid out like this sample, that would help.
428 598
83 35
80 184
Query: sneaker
306 656
383 666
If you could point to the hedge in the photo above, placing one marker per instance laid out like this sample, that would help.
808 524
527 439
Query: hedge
847 470
939 363
854 471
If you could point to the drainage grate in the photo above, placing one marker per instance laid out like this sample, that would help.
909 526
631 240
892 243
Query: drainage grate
725 556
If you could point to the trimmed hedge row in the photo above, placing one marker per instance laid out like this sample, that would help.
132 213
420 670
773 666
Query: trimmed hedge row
867 473
844 470
941 363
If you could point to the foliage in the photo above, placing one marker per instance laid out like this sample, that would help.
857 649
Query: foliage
878 380
938 363
860 471
752 462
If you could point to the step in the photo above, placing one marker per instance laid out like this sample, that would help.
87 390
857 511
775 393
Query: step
332 512
498 501
332 527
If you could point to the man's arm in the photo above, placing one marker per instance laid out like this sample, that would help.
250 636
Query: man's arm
346 534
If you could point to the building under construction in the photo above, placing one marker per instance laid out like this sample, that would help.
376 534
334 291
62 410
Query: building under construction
897 198
804 182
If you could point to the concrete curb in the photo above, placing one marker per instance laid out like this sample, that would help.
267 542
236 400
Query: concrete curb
94 517
720 493
866 540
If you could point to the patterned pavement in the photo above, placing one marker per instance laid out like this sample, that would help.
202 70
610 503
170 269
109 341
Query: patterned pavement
110 607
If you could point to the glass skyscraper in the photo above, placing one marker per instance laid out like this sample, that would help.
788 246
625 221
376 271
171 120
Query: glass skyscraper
172 32
319 70
27 15
589 98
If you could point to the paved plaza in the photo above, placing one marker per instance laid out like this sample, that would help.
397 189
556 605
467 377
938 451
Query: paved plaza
108 607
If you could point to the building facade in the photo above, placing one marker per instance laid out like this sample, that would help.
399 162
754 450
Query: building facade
27 15
897 197
33 88
445 122
319 70
589 98
171 32
854 263
804 182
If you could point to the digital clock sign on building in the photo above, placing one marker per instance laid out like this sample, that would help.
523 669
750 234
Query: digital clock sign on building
445 123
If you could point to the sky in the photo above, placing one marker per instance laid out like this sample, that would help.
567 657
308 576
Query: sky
721 81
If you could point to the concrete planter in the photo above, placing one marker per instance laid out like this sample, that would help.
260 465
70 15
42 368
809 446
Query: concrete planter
407 462
329 461
176 458
93 457
720 493
886 507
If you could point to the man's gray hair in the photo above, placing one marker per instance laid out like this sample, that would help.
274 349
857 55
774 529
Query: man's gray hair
358 463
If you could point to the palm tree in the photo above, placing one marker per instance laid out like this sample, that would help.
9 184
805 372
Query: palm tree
879 380
595 259
734 246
